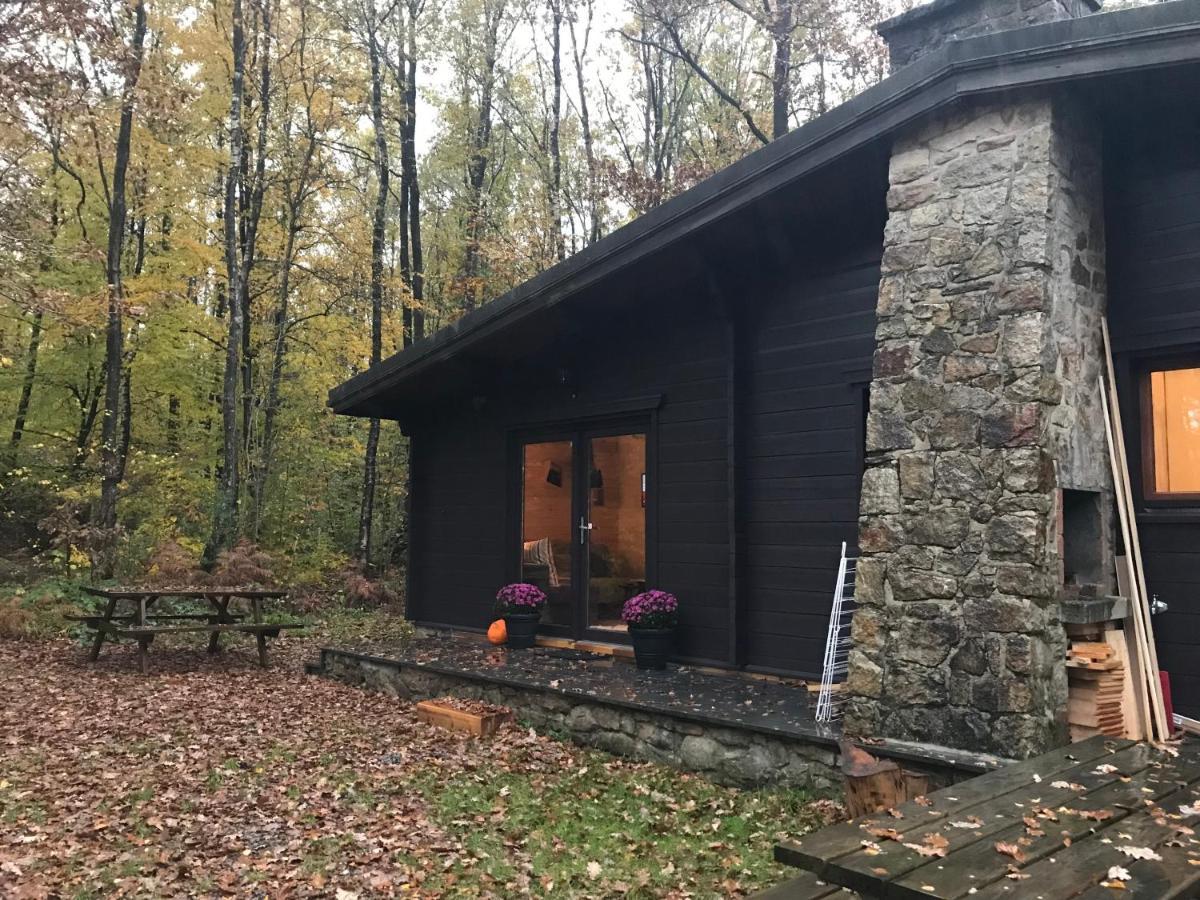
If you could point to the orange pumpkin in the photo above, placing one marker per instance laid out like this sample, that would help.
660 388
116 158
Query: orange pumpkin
497 632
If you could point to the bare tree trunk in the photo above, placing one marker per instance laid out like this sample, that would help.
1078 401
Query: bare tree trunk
556 231
408 161
173 424
481 140
89 408
297 194
252 218
781 75
400 71
31 355
114 465
225 506
378 236
579 54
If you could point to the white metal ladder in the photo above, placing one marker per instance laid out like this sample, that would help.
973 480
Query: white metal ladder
837 640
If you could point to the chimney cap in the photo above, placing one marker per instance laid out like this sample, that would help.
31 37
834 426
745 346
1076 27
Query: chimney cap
935 7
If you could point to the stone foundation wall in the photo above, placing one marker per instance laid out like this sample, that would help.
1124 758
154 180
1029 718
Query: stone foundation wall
724 755
983 405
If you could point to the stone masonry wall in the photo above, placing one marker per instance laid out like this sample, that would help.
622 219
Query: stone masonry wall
727 756
983 405
917 33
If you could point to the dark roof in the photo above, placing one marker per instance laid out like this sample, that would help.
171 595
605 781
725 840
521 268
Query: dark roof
1158 35
917 13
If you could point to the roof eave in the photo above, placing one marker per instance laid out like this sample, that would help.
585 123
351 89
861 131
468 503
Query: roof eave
1106 43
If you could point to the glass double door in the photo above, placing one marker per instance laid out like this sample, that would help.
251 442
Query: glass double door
583 527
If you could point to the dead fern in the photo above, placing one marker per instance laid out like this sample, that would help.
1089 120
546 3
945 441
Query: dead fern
243 565
170 565
364 593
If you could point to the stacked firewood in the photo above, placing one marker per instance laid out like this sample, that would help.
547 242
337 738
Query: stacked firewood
1095 687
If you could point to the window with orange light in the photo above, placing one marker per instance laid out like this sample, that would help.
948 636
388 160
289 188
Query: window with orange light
1173 438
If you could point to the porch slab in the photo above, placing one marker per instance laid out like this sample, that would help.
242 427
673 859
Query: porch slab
730 727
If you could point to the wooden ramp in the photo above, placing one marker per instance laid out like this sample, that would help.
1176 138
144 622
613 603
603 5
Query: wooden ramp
1071 823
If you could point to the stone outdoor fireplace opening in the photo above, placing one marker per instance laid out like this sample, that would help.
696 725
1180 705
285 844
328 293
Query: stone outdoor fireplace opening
1085 539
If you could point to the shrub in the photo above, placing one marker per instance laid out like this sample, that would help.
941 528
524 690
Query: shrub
519 598
243 565
41 612
15 620
71 532
172 565
366 593
653 609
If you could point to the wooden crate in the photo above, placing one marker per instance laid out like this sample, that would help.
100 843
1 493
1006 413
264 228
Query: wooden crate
445 716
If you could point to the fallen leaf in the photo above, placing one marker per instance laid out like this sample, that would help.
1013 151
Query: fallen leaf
593 869
1139 853
933 844
1117 873
1067 786
1011 850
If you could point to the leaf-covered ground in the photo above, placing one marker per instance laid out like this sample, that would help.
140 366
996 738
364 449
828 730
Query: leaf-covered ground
211 777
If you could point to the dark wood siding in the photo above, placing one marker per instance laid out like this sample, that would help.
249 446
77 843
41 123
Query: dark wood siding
461 506
809 361
1153 212
757 336
457 521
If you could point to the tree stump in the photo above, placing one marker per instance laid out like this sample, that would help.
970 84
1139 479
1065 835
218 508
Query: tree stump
873 784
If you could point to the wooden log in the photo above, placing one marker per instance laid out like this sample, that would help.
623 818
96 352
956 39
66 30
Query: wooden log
873 784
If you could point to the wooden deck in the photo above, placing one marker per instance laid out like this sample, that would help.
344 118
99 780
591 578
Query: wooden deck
1049 828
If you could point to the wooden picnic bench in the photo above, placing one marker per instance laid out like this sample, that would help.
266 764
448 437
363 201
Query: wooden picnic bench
143 624
1051 828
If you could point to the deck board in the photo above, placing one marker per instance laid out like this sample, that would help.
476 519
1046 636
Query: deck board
1059 819
816 850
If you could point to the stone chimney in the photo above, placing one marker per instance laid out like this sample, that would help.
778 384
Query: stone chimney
986 457
925 28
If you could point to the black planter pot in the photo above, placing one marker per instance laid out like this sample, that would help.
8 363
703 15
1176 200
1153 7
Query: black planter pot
522 629
652 646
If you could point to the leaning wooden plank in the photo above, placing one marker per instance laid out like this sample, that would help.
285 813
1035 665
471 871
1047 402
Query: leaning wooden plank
1144 665
1134 549
860 869
1085 864
813 850
978 865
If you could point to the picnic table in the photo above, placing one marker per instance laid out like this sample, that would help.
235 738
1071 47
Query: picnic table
1053 827
139 621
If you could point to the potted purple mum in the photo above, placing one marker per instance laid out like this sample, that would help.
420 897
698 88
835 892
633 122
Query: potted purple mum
651 618
520 605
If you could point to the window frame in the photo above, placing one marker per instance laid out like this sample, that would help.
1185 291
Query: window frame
1150 495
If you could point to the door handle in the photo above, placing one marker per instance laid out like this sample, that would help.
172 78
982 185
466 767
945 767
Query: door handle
584 527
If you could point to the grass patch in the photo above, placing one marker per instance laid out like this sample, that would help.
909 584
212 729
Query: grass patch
607 828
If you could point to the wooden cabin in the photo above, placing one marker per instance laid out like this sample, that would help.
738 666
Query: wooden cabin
690 403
